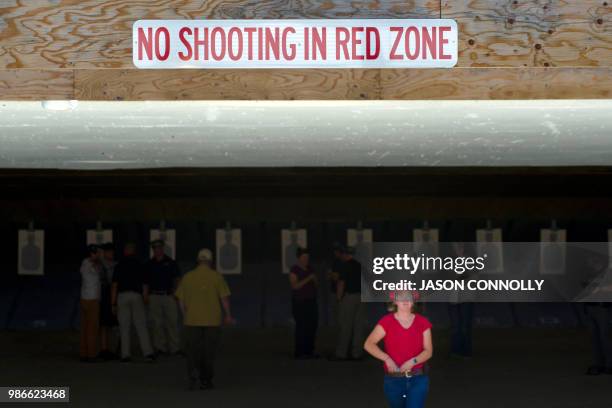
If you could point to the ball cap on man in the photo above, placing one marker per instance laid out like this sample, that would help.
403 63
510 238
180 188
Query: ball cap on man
205 255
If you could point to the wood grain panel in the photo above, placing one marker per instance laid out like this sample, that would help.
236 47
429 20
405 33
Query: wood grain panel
536 33
497 83
95 33
34 84
460 83
179 84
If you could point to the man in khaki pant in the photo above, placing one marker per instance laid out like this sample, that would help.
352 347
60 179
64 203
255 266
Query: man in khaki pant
162 275
129 294
90 304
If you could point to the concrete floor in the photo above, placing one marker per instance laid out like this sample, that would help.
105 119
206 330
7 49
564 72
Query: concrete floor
511 368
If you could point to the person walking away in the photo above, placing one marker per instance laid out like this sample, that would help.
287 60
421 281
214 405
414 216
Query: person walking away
162 275
90 304
202 294
408 345
108 321
303 284
129 295
352 311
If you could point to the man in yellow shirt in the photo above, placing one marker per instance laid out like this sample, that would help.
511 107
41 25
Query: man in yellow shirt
202 293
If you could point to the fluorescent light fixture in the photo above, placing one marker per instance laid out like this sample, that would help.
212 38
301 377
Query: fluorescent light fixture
154 134
55 105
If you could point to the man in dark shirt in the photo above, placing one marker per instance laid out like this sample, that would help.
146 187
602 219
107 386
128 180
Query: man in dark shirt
352 312
304 283
162 275
333 275
129 294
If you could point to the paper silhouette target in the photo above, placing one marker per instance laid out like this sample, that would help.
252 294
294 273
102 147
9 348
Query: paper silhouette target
552 251
610 247
169 238
290 241
99 237
361 240
489 246
229 251
425 242
31 252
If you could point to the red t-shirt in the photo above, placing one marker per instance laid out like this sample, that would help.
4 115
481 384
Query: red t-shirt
403 344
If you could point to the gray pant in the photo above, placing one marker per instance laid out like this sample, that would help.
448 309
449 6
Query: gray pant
163 312
598 320
201 349
351 317
131 310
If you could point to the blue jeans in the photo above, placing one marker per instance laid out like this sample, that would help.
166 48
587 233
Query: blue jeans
404 392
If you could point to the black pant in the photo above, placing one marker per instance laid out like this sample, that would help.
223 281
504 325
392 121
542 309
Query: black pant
461 316
598 320
306 316
200 349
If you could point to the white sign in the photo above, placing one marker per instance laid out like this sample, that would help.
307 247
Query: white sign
361 240
552 251
351 43
425 241
169 238
229 251
99 237
489 245
31 254
291 240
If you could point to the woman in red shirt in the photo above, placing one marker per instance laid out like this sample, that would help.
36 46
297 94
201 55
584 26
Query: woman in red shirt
408 345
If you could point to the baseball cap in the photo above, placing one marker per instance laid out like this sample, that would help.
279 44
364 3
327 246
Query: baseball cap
205 254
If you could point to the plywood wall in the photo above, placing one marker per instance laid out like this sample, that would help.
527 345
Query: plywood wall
508 49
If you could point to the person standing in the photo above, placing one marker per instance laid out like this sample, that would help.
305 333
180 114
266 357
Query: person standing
303 283
162 275
461 312
108 321
597 314
352 311
408 345
333 276
129 294
202 293
90 304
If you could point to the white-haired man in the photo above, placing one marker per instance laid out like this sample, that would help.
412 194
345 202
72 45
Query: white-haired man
204 298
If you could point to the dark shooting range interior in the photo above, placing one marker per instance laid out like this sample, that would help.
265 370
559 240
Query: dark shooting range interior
511 136
533 354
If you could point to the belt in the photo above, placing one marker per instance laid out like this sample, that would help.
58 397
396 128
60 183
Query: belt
406 374
160 292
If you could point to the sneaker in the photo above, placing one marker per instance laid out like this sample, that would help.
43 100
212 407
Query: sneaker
126 360
150 358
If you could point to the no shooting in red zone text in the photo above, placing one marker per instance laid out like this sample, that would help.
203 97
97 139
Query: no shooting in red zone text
401 43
